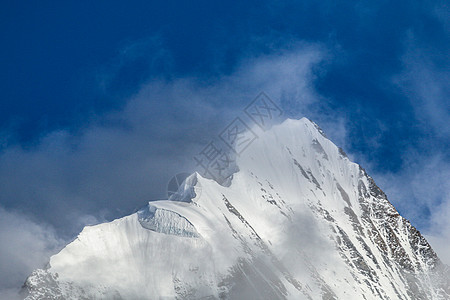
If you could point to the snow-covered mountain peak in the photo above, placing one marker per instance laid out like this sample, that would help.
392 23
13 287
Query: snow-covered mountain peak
298 220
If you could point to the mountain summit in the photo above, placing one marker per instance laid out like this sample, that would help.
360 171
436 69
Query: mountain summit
299 220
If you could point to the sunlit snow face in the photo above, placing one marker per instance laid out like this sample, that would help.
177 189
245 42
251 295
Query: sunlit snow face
298 219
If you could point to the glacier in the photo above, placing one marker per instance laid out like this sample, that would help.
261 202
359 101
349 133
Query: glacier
298 220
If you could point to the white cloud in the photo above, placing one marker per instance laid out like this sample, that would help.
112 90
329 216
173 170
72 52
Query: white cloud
425 82
125 158
24 246
420 186
439 234
421 189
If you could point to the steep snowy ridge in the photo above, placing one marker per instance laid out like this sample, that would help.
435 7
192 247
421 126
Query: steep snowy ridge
298 221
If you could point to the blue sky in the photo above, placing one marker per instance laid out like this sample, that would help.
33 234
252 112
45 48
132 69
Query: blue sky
101 103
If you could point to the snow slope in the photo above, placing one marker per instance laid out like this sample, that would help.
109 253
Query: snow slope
298 221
